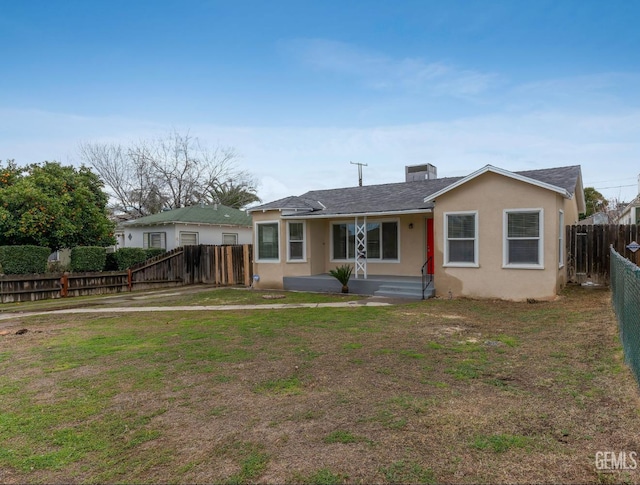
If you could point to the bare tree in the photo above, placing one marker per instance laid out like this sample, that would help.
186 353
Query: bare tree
173 171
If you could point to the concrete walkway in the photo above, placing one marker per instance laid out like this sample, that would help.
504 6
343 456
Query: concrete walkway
273 306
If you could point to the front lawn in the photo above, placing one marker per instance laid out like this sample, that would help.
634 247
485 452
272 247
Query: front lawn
438 391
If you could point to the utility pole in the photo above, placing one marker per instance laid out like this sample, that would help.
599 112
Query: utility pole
360 165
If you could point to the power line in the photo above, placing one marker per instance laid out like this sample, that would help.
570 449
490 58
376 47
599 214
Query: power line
614 187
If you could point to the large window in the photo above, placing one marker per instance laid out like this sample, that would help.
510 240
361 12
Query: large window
295 241
523 238
154 240
188 238
267 241
382 241
461 239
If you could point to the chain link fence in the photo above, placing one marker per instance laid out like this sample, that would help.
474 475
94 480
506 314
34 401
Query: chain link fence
625 289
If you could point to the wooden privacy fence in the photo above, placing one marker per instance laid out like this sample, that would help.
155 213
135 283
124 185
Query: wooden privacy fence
188 265
588 250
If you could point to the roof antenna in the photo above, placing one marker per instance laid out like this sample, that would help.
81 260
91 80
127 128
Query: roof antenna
360 165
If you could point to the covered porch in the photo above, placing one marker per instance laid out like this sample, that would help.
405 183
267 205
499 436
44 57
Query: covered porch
410 287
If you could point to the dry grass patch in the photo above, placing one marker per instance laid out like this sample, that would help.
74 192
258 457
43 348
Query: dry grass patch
502 392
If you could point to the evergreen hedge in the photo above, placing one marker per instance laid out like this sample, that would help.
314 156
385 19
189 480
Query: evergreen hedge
24 259
153 252
88 258
111 264
127 257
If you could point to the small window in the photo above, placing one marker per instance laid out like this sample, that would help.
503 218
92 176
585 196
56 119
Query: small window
461 238
230 239
154 240
267 241
188 238
296 244
523 238
561 239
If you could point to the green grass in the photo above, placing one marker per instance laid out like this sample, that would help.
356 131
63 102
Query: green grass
407 472
324 476
341 436
286 385
242 296
252 462
322 395
189 296
499 443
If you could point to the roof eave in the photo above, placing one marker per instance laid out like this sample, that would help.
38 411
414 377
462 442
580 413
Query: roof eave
334 215
490 168
192 223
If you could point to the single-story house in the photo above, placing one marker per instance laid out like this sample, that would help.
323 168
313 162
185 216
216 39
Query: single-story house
491 234
630 213
197 224
597 218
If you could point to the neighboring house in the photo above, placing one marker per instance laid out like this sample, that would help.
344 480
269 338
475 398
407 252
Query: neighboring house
597 218
491 234
630 213
209 224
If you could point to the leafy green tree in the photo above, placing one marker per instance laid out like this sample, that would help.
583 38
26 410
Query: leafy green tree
595 202
53 206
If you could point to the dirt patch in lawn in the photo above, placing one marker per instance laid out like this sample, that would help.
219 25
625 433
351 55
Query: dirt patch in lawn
447 391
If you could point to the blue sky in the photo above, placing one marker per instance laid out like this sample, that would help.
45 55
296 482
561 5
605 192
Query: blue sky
302 88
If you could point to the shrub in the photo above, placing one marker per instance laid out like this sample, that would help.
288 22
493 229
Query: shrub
153 252
127 257
56 267
88 258
24 259
111 264
342 274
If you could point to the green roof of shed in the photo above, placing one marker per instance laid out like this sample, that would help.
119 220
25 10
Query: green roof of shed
215 215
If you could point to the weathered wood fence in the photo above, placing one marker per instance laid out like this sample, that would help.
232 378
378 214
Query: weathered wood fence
188 265
588 250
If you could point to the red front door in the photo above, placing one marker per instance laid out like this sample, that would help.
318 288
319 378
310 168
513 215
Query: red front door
430 245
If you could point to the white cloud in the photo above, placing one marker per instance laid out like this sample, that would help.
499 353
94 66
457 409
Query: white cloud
381 72
293 160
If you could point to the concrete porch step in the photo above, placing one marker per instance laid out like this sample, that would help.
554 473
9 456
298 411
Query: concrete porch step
402 289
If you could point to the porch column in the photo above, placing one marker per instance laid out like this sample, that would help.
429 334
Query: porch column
361 247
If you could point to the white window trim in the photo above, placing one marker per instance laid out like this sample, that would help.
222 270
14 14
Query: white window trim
257 246
561 242
476 239
370 260
505 242
146 239
188 232
234 234
304 242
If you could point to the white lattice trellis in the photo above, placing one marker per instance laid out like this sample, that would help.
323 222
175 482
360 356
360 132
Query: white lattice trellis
361 247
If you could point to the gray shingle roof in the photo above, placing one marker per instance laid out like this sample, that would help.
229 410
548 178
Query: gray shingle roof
196 214
396 197
563 177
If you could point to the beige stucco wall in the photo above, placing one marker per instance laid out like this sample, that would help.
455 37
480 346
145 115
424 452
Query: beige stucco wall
490 194
318 249
270 273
